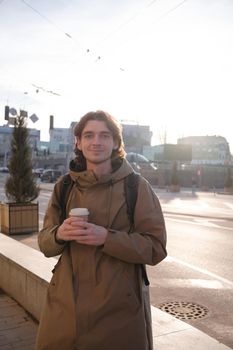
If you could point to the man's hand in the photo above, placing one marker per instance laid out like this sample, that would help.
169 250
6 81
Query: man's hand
77 229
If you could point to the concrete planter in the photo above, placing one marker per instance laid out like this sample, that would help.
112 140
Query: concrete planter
19 218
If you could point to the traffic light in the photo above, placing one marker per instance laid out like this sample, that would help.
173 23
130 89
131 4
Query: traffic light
7 110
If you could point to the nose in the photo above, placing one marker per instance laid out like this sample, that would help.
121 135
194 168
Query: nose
96 139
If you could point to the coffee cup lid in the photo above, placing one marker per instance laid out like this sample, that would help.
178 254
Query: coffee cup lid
79 212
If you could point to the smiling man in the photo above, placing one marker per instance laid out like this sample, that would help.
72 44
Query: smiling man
98 298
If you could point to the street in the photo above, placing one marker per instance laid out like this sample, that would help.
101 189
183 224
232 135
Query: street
195 281
198 270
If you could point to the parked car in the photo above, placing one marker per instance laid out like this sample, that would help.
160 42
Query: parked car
4 169
143 166
50 175
38 172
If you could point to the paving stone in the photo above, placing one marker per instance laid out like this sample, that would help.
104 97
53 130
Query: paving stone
17 329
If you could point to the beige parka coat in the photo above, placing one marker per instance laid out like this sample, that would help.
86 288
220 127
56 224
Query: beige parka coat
97 298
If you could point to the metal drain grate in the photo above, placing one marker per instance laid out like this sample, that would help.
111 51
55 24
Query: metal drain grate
184 310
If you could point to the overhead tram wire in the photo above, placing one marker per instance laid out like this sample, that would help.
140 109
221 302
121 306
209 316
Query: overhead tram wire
96 57
129 20
68 35
47 19
173 9
138 13
165 14
87 51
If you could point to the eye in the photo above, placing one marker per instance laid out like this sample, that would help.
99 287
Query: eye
106 136
87 136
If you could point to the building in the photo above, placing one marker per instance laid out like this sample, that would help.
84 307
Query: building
136 137
5 141
208 149
61 140
168 153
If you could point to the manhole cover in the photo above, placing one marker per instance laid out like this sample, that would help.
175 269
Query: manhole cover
184 310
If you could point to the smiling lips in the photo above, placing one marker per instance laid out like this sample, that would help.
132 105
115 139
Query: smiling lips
96 150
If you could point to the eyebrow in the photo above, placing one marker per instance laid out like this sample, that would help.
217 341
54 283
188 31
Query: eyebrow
105 132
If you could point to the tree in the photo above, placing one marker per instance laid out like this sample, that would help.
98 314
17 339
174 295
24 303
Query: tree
20 186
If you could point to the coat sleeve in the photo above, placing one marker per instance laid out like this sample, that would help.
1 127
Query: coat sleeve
46 237
147 243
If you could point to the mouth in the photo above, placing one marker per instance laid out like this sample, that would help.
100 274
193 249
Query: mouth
96 151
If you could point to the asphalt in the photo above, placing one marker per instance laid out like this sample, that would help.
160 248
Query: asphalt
18 329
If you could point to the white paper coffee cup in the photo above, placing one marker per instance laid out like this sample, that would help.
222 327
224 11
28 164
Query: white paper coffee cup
80 212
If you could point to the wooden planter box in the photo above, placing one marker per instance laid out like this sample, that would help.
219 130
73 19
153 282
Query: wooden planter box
18 218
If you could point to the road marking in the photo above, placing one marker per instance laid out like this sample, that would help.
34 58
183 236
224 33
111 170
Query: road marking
198 222
229 205
198 269
178 202
192 282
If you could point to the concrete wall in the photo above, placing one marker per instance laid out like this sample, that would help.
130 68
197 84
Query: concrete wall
24 274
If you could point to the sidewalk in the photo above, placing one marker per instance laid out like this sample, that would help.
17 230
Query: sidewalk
18 330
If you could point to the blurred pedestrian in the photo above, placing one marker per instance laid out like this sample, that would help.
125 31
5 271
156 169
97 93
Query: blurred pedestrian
194 184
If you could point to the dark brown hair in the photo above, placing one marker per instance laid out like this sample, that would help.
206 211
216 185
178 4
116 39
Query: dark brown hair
112 124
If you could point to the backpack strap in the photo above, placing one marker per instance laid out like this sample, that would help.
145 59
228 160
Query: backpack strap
131 193
66 187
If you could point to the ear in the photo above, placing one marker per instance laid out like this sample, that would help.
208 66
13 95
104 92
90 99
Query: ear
78 143
115 146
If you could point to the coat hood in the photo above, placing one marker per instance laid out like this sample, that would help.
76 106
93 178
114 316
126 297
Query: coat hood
87 178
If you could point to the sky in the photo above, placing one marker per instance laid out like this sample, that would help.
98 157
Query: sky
163 63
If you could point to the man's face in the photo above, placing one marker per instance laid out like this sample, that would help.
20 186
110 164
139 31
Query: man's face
96 142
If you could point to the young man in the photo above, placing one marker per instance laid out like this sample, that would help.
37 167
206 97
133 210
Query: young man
98 298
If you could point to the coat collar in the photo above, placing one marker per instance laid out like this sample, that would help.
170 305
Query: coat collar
87 178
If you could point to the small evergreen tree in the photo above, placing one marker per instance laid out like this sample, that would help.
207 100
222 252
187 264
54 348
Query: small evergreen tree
20 186
228 181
